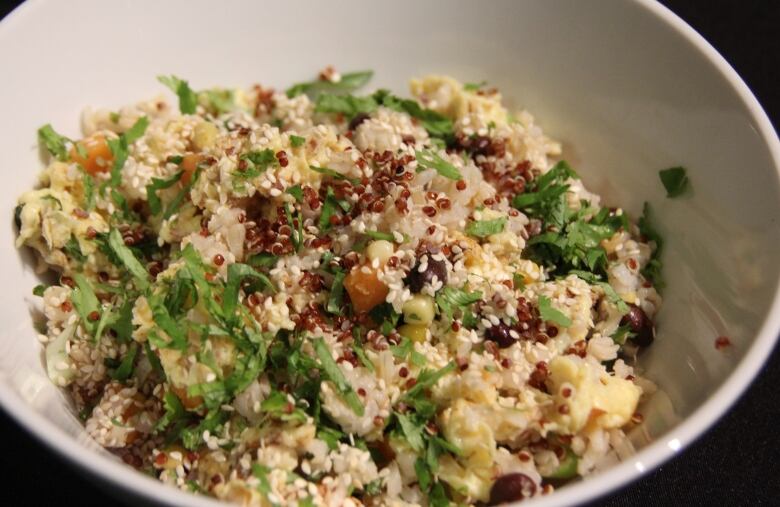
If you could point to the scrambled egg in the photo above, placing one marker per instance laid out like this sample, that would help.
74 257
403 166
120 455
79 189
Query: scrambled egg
596 398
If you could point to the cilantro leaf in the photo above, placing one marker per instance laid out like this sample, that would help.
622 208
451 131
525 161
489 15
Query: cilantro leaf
653 269
73 249
125 255
449 299
138 129
297 193
485 228
188 100
349 82
125 368
54 143
85 301
235 274
332 173
427 379
412 431
427 159
334 374
89 190
336 295
220 101
348 105
675 181
472 87
437 125
548 313
155 206
380 235
297 141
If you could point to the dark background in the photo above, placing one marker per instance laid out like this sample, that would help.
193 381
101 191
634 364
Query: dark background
736 463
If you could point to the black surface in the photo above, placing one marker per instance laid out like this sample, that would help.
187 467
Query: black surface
736 463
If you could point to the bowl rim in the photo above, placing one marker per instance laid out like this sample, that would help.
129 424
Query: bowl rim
664 448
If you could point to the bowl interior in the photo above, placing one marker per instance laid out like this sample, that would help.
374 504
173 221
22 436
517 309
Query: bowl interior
623 87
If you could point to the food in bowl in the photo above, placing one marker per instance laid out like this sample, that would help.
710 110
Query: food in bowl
325 298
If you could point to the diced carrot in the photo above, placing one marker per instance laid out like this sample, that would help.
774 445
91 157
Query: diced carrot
365 289
189 164
98 157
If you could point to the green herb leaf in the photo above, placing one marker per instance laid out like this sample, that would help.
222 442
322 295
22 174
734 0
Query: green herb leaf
348 105
334 374
55 143
174 411
125 255
85 301
89 190
450 299
675 181
380 235
263 260
349 82
485 228
427 159
73 250
336 295
38 290
437 125
297 141
188 99
220 101
653 269
550 314
297 192
125 368
472 87
235 274
427 379
155 205
138 129
412 431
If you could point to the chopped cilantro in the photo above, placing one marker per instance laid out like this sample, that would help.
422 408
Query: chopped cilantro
120 147
437 125
89 190
548 313
297 193
38 290
332 173
155 205
336 295
380 235
85 301
427 159
235 274
220 101
55 143
188 99
297 141
73 250
472 87
427 379
348 105
485 228
652 270
125 368
263 260
675 181
349 82
334 374
128 259
449 299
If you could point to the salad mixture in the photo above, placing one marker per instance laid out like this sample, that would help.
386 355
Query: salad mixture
323 297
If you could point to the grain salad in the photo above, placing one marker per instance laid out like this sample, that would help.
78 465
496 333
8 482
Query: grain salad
321 296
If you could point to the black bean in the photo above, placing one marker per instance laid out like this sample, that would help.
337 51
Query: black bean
357 120
512 487
640 325
416 280
500 333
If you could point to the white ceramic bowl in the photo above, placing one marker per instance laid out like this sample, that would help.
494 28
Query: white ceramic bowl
626 85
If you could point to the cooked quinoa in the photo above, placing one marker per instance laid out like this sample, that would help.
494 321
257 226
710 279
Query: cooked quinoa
316 297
